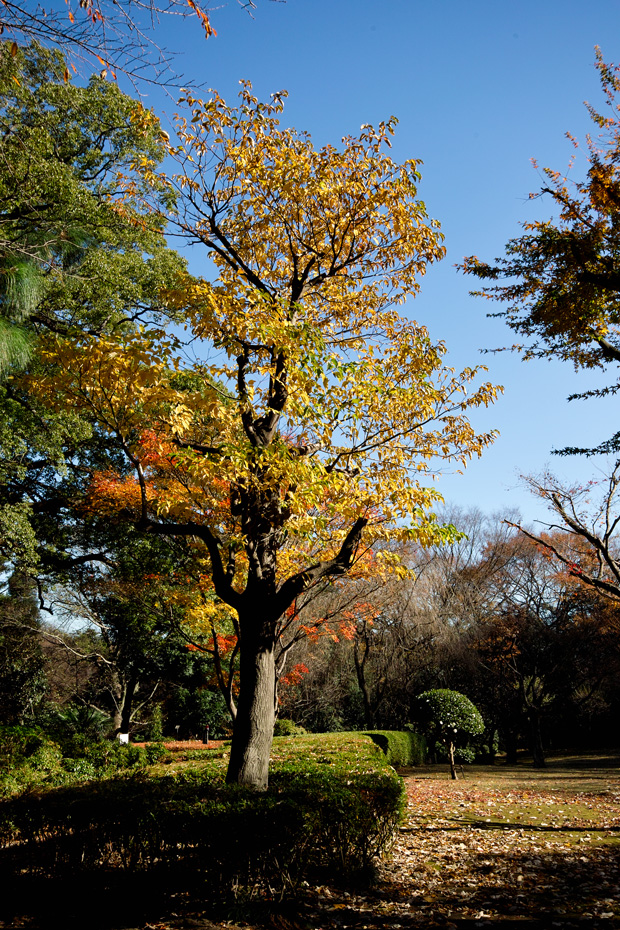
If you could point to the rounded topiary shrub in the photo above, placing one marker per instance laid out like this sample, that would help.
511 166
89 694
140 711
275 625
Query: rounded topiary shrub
450 718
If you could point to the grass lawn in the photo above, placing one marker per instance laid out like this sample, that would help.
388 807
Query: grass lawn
508 846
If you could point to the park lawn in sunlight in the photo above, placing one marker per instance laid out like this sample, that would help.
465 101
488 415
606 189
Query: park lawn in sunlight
505 845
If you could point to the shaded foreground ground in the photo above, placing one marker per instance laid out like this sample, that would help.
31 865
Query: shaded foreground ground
506 846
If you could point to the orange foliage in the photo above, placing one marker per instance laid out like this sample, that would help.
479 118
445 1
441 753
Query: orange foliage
295 675
223 644
110 493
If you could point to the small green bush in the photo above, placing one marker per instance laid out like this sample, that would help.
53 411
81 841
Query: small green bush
288 728
105 755
401 747
18 743
29 758
450 718
75 727
155 729
80 767
448 715
155 752
131 756
47 758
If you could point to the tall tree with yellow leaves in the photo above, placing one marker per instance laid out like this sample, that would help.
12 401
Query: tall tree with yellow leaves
298 443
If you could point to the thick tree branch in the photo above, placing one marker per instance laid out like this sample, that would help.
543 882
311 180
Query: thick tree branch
610 352
339 565
221 583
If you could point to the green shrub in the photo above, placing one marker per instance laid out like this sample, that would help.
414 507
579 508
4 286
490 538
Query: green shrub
332 806
131 756
288 728
75 727
17 744
155 752
401 747
103 754
28 758
193 709
80 767
155 729
449 717
47 758
487 746
110 756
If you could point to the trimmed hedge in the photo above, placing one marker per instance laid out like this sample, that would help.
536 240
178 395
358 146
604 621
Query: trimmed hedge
333 805
401 747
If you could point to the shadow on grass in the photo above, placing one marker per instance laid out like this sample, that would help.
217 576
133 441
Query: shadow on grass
529 827
596 773
558 891
456 826
596 761
97 901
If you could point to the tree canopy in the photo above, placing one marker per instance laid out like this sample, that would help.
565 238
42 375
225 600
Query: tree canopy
312 414
584 544
118 36
450 717
75 258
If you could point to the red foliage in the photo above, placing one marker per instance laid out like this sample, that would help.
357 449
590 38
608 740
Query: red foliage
295 675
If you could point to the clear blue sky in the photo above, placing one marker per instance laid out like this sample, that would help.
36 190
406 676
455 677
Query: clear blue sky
479 88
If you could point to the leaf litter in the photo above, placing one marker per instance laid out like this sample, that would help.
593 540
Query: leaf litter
520 849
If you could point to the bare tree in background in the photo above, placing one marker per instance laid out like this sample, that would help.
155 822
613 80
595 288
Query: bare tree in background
111 36
584 534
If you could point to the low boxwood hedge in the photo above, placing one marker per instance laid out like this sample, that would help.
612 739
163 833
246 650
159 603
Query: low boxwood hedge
401 747
333 805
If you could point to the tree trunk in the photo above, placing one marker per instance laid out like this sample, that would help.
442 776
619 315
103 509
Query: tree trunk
509 743
452 762
536 743
253 727
126 689
259 609
127 708
360 670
